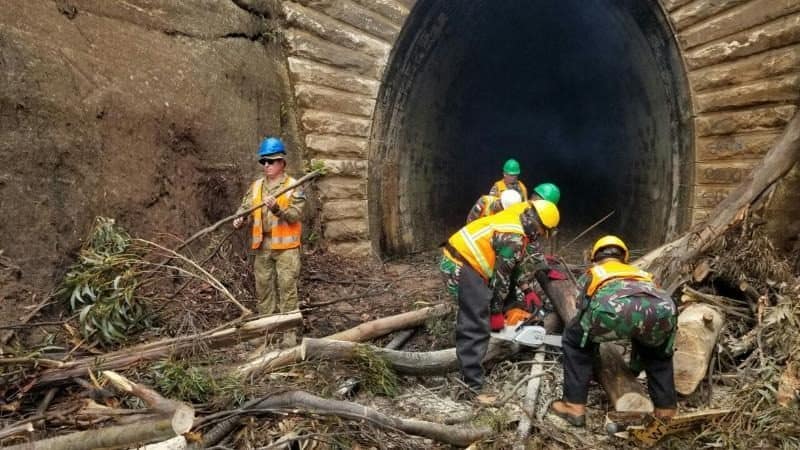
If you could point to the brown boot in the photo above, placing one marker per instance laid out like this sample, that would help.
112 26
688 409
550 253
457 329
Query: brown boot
574 413
665 413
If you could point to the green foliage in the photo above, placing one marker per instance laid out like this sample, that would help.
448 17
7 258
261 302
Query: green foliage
102 285
182 381
379 378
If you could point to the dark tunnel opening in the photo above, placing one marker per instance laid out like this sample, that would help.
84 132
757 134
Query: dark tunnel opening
592 98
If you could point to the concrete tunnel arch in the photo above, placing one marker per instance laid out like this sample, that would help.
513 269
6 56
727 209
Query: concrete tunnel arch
594 99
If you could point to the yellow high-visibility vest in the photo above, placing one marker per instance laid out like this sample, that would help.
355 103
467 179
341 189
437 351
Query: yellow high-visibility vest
500 185
474 241
612 270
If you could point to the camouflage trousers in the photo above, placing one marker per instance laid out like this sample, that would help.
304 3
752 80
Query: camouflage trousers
276 273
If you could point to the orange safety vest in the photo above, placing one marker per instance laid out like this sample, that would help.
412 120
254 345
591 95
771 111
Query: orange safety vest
501 186
283 235
474 242
613 269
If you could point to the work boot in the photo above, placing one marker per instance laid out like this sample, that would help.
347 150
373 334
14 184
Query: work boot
665 413
574 413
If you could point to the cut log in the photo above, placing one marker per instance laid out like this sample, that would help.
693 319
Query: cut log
624 392
110 437
181 413
698 329
671 261
281 358
301 401
175 346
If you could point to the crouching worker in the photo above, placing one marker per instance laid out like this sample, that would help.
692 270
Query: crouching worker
619 301
478 262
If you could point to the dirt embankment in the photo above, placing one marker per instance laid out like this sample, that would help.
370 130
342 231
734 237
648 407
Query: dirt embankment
145 111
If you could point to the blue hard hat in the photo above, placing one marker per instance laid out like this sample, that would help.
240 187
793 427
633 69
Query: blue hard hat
271 147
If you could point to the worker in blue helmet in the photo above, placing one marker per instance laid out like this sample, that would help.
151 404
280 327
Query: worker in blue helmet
275 232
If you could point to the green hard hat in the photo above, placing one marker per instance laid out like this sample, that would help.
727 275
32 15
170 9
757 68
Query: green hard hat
511 167
549 192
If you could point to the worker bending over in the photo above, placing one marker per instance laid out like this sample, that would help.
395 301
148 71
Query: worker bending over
478 262
489 204
618 302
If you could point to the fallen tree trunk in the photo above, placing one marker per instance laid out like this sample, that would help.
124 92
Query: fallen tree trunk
300 401
154 350
407 363
698 329
281 358
624 392
670 261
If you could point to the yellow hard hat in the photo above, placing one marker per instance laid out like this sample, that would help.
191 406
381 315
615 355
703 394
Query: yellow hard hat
608 241
547 212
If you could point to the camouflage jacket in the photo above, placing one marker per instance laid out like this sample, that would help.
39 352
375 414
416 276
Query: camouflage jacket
624 309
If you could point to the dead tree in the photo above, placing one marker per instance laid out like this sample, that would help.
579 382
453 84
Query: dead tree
671 261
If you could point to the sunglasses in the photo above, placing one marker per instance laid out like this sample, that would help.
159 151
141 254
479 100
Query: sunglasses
269 162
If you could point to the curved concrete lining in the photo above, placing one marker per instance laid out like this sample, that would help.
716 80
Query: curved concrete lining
593 99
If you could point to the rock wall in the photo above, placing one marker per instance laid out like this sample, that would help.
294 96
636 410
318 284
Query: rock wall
148 111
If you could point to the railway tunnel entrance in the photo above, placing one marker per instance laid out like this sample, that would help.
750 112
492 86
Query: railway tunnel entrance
592 98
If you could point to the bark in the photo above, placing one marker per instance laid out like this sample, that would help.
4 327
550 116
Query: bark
624 392
174 346
294 401
698 329
281 358
670 262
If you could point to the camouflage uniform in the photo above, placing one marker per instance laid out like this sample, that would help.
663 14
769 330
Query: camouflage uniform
276 271
622 309
479 210
476 301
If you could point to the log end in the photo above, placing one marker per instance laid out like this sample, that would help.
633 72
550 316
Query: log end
182 419
633 402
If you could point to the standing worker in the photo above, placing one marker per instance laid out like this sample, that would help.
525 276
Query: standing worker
510 180
276 232
489 204
478 262
619 301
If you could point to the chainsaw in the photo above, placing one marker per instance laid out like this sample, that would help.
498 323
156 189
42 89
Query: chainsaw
528 335
646 430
